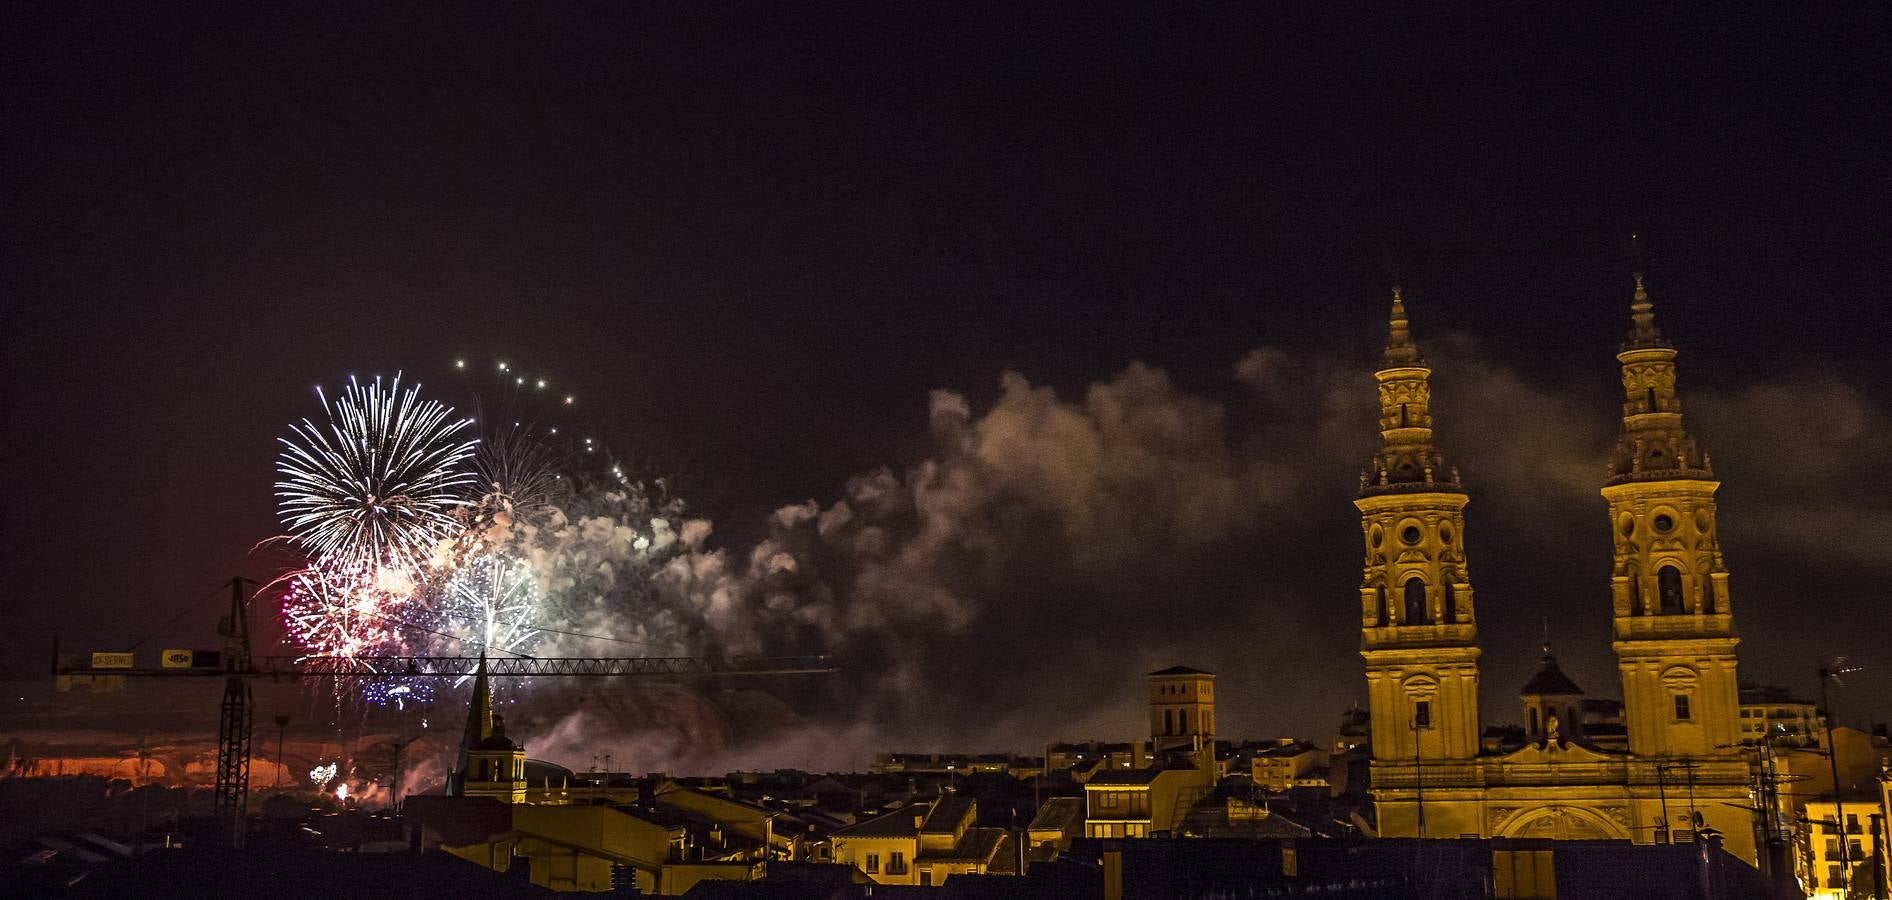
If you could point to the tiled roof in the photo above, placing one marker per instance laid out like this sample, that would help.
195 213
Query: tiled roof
898 823
1058 813
976 845
1549 680
1129 776
946 813
1294 749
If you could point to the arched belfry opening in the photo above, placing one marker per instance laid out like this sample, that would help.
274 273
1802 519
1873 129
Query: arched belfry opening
1669 586
1416 612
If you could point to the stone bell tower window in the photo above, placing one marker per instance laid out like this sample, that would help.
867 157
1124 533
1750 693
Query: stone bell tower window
1416 603
1669 582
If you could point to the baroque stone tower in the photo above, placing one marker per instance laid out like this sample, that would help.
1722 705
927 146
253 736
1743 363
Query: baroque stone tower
1674 624
1418 632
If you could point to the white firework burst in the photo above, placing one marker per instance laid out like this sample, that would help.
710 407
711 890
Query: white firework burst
379 486
491 606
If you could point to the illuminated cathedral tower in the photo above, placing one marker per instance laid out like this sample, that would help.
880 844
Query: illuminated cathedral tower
1674 626
1418 633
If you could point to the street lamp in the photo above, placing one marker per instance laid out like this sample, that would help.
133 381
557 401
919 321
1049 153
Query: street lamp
1832 671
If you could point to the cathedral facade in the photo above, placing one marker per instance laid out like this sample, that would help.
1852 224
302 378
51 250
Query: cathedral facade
1680 775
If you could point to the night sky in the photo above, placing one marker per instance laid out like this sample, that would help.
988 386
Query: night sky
753 241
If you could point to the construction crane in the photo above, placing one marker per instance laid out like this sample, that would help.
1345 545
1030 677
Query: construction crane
238 668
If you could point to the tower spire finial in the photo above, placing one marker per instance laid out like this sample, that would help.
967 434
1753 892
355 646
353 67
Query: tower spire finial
1400 350
1642 326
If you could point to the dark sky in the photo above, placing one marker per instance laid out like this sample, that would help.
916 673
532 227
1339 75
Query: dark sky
754 239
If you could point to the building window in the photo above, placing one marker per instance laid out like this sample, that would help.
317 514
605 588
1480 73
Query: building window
1416 602
1422 714
1708 594
1669 583
1534 730
1380 614
1182 721
1168 725
873 863
1451 601
1682 712
896 863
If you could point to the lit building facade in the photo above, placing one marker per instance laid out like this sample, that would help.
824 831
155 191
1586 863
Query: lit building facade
1773 714
927 843
1152 800
1682 771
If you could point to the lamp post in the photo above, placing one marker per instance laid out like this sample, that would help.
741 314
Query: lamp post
1832 672
1420 718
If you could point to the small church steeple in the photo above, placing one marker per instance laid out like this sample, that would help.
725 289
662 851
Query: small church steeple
1552 702
490 763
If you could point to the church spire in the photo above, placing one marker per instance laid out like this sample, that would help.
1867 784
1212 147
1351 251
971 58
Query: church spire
1406 460
1400 350
1643 333
1653 444
479 724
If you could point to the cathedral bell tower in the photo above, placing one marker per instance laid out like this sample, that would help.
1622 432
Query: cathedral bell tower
1673 621
1418 633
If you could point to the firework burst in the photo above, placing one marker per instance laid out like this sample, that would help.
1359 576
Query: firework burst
340 612
491 606
378 487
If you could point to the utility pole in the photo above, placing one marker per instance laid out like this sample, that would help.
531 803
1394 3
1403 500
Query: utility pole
1833 671
282 725
395 801
232 800
1878 856
1662 791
